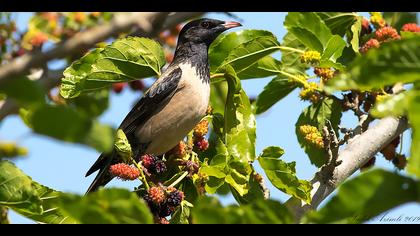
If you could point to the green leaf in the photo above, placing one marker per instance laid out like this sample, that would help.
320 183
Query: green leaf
396 61
122 146
69 125
367 196
344 23
106 206
28 198
93 104
248 53
218 93
333 51
398 19
240 124
17 189
274 91
225 43
316 115
210 211
309 29
254 193
338 22
283 175
25 92
181 214
124 60
395 105
413 165
266 66
291 60
355 30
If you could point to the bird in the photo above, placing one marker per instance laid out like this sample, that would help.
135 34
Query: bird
174 104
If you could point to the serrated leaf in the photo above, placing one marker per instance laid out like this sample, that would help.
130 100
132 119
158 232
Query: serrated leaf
316 115
283 175
27 197
355 30
309 29
366 196
106 206
273 92
124 60
248 53
396 61
225 43
122 145
210 211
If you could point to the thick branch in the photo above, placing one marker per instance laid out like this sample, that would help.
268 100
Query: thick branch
143 24
352 157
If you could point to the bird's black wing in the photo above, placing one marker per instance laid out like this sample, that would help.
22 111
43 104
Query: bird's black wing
159 93
155 97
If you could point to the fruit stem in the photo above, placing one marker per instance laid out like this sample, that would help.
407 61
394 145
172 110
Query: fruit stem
179 179
142 177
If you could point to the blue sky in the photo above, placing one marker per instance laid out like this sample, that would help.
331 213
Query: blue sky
62 166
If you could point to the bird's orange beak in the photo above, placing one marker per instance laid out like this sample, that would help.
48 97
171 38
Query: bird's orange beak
231 24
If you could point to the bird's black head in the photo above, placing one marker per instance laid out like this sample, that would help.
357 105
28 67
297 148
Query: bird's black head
204 30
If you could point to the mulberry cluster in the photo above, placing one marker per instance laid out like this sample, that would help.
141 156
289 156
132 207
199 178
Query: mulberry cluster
309 93
366 28
162 201
178 151
389 152
153 165
411 27
324 73
310 57
135 85
400 161
312 135
386 34
372 43
124 171
377 20
199 132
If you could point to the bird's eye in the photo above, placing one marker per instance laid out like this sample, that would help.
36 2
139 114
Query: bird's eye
205 24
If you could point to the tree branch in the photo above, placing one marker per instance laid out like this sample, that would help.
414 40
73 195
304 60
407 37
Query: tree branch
352 157
143 24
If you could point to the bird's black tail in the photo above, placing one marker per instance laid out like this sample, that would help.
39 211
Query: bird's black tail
103 177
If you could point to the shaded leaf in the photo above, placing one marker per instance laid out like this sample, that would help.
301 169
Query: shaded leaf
398 19
210 211
274 91
93 104
125 59
396 61
413 165
181 214
316 115
25 92
333 50
266 66
291 60
106 206
69 125
366 196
